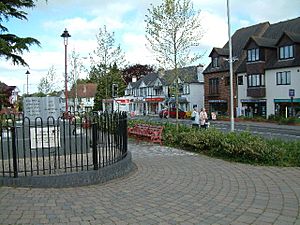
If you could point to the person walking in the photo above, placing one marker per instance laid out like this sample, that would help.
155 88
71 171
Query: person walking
203 118
195 117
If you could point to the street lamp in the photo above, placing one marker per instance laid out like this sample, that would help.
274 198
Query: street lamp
230 70
66 35
27 73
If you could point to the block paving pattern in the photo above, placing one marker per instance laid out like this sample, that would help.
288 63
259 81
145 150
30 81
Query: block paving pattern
169 186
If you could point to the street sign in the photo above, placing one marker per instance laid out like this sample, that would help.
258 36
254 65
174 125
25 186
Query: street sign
292 92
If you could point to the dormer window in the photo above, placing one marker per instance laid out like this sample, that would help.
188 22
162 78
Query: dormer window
215 62
286 52
253 55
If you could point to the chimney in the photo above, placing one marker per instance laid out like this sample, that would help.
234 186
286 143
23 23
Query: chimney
200 77
133 80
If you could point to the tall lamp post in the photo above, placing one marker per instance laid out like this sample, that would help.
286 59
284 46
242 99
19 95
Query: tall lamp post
66 35
230 69
27 73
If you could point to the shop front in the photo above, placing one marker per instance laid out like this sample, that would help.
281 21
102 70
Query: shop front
153 105
219 107
287 107
253 108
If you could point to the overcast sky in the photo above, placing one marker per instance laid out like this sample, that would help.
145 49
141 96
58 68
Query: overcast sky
83 18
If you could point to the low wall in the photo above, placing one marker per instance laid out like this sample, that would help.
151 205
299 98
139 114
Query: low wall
81 178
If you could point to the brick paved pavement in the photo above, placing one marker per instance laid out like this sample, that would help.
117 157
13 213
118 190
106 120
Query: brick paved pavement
169 187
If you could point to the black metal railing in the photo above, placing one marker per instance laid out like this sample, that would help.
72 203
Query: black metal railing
67 144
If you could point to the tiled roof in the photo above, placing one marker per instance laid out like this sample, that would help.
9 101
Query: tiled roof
239 40
186 74
84 90
275 32
293 36
262 42
220 51
147 79
264 35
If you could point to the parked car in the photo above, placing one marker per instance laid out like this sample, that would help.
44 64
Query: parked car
165 113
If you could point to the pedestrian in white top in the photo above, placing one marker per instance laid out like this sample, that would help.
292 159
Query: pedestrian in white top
195 117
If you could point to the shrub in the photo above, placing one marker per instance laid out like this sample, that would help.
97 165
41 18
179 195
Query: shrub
240 147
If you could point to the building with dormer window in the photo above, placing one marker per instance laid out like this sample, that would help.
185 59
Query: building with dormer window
271 72
216 74
266 71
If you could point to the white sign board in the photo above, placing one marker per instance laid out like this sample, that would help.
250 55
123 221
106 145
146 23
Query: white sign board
42 137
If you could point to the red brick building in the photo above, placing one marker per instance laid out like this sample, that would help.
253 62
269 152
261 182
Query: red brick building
216 75
258 49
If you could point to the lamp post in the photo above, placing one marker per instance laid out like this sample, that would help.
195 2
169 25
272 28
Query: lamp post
27 73
66 35
230 70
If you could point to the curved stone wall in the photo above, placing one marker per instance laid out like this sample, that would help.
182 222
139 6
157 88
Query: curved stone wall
118 169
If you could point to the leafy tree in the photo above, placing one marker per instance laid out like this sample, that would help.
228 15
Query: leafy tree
5 93
48 83
137 71
107 56
12 46
173 30
105 86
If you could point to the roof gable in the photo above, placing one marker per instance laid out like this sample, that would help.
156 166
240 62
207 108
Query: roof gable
87 90
261 42
185 74
239 40
294 37
219 51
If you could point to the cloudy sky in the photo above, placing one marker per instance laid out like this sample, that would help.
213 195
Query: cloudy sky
83 18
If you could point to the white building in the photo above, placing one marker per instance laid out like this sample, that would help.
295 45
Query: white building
154 91
269 79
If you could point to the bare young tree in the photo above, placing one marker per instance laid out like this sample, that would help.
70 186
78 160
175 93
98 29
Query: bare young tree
107 53
173 30
48 83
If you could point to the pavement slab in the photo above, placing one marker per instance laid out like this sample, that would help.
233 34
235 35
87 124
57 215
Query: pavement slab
169 186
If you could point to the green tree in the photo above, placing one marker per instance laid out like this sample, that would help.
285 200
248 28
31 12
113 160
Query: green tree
107 55
173 30
12 46
105 86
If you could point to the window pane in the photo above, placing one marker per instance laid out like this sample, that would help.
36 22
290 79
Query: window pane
253 54
281 78
257 54
281 52
291 55
288 77
257 83
249 55
262 80
286 52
